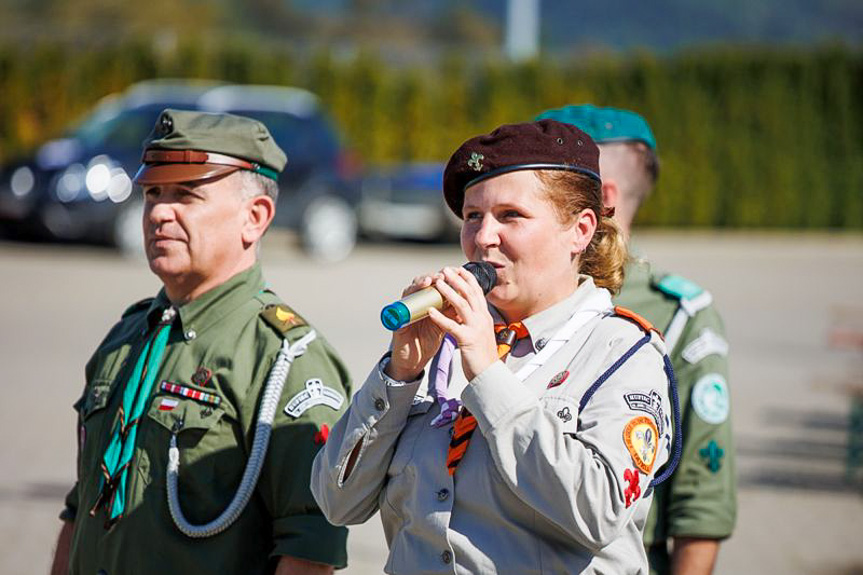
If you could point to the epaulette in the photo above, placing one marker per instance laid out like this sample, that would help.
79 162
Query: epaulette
138 306
282 318
678 287
638 320
692 297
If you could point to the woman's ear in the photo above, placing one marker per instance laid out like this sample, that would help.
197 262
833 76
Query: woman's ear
584 226
260 211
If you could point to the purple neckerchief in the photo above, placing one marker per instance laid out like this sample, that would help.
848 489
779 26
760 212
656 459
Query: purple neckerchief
449 404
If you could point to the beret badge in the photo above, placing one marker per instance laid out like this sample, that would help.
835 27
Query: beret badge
475 161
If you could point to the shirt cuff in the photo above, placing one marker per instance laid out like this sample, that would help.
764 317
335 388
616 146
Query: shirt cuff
311 537
382 365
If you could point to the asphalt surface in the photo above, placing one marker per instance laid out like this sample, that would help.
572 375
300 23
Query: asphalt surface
781 297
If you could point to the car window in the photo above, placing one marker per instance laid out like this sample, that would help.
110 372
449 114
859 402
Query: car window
304 140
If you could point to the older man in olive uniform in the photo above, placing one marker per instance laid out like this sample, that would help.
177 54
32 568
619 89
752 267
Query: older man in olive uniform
190 388
697 508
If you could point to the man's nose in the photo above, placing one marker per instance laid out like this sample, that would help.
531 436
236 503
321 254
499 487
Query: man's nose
159 212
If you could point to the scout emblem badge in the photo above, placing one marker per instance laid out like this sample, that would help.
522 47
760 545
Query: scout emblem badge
640 436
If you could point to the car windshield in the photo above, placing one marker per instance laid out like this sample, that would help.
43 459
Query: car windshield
126 130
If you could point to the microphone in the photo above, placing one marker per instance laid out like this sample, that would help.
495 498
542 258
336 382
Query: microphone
416 306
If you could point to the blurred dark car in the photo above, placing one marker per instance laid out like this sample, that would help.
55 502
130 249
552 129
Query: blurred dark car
406 202
79 187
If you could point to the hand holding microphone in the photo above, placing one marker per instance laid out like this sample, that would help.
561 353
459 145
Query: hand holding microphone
415 306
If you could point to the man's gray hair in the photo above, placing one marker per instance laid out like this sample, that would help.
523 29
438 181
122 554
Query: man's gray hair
257 185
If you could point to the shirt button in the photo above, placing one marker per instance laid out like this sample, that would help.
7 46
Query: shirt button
191 334
380 404
446 557
540 343
442 494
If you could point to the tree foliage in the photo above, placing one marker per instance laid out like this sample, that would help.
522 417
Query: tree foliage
747 138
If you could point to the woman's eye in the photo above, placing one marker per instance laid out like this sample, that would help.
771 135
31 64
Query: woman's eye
509 214
472 216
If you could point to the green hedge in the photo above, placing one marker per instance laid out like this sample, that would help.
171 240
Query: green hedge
747 137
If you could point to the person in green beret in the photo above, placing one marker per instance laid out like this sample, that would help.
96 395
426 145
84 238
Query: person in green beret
697 508
205 405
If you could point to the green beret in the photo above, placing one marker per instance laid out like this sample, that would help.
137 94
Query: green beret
604 125
543 145
186 146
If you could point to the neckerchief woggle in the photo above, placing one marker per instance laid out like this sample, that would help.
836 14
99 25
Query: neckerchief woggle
136 395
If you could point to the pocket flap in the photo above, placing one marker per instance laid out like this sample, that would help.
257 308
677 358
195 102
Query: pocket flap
178 413
94 399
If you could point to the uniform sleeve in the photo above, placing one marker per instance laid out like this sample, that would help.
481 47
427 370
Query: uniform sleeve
702 495
583 478
315 394
375 419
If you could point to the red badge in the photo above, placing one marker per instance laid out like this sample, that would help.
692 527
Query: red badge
202 377
633 490
558 379
322 435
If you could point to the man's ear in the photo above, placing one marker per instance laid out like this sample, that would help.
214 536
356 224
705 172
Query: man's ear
260 212
610 193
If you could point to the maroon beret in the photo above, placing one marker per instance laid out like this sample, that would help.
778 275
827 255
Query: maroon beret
542 145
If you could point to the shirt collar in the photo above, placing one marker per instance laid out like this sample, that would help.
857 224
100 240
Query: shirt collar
545 324
206 310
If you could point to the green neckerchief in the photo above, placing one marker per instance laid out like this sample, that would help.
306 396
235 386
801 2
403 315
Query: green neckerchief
136 395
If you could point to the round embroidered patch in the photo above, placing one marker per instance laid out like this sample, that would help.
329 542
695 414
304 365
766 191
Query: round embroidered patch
640 436
710 398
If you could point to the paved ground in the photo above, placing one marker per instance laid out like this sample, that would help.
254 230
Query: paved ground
780 294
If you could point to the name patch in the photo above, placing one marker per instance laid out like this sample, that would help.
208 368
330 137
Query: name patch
651 404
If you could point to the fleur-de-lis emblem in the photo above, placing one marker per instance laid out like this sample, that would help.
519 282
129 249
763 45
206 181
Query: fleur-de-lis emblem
475 161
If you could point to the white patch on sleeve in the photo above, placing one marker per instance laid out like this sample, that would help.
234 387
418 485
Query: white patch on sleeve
710 398
315 393
707 343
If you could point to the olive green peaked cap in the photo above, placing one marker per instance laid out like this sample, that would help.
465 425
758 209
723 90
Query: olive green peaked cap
185 146
604 125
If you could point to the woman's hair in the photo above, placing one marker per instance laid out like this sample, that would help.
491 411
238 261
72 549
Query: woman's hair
606 255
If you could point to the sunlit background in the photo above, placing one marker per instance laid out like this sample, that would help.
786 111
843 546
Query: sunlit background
757 106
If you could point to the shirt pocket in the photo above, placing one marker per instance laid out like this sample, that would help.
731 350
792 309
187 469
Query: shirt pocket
94 423
414 425
212 455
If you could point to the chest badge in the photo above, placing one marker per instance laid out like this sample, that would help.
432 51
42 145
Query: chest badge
640 436
202 377
558 379
315 393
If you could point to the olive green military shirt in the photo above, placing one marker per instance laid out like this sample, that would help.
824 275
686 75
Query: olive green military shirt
221 348
700 498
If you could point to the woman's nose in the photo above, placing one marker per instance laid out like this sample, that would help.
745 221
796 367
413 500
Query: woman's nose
488 232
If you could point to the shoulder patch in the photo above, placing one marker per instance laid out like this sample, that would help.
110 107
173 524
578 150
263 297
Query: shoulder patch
645 325
282 318
138 306
710 399
640 436
678 287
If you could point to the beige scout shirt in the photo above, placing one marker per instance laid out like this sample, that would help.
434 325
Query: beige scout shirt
542 488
